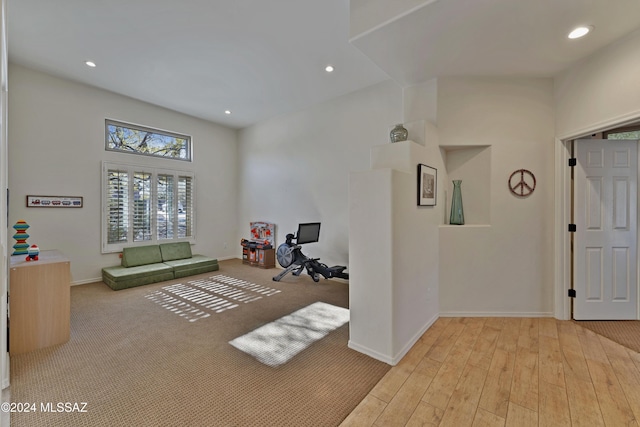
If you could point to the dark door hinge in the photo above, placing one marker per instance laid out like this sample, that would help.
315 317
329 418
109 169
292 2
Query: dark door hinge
573 162
572 228
572 293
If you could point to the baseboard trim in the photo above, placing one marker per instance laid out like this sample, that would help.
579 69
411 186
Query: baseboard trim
85 281
398 357
371 353
5 373
393 360
496 314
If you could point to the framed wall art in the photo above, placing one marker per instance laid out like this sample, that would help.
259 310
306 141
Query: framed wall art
427 185
54 202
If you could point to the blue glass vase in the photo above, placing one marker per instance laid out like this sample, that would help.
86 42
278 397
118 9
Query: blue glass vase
457 213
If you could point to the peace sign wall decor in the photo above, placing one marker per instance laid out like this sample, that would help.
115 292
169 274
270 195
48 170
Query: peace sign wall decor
522 183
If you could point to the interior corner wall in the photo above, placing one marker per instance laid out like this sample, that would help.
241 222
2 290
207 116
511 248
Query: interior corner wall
294 168
415 253
503 267
371 290
393 244
601 91
421 103
56 146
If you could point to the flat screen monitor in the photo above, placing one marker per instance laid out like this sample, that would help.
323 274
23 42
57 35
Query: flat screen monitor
308 232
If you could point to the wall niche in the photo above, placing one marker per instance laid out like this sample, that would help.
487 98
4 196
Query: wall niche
472 165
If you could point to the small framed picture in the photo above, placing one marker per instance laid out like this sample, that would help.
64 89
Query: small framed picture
427 185
54 202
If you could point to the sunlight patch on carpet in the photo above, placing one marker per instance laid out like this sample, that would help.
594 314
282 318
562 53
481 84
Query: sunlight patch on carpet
277 342
198 299
263 290
181 308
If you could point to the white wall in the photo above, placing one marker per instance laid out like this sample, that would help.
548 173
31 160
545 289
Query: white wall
601 91
421 104
56 145
393 244
371 278
415 254
294 168
4 355
503 267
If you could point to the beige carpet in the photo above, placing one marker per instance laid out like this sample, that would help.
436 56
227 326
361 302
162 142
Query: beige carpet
624 332
160 356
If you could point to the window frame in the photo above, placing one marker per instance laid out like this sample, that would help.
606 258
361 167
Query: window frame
132 169
133 126
623 129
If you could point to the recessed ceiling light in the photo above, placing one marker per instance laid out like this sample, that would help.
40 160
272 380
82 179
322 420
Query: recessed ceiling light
90 64
227 112
580 32
328 68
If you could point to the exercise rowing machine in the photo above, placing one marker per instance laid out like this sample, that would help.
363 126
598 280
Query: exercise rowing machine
291 258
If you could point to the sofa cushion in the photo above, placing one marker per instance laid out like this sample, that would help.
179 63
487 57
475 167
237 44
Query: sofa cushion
173 251
194 260
140 281
119 277
198 264
119 272
141 255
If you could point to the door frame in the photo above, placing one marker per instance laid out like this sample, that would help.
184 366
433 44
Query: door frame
562 212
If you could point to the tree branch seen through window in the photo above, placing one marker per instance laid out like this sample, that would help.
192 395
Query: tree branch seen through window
151 142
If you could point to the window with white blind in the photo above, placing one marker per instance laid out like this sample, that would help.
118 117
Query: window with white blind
143 205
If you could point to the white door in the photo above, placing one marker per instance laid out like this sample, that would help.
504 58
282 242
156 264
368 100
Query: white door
605 241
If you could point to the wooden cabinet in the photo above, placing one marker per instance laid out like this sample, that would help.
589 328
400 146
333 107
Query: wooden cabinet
266 258
39 301
263 258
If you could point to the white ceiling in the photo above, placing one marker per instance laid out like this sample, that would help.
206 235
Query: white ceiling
257 58
262 58
494 37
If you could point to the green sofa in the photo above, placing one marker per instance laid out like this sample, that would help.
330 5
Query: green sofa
142 265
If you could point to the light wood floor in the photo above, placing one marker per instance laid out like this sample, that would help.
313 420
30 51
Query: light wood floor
507 372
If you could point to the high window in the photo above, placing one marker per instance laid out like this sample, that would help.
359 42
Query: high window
134 139
143 205
627 132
